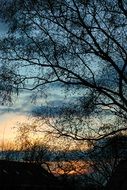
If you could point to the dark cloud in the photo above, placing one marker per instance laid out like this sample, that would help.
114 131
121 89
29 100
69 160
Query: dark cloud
3 28
46 111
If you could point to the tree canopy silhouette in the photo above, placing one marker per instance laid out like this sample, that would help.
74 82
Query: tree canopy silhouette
80 43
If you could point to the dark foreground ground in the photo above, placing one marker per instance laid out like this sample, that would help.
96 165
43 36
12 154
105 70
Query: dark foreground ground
26 176
31 176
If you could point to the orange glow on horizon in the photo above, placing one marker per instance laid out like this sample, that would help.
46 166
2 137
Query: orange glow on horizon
77 167
8 133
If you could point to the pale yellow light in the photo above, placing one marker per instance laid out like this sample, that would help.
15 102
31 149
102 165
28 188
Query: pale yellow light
8 125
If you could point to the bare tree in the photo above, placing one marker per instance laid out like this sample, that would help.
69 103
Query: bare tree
79 43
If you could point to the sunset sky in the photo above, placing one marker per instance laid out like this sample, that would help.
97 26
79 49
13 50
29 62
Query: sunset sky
63 89
27 102
23 108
